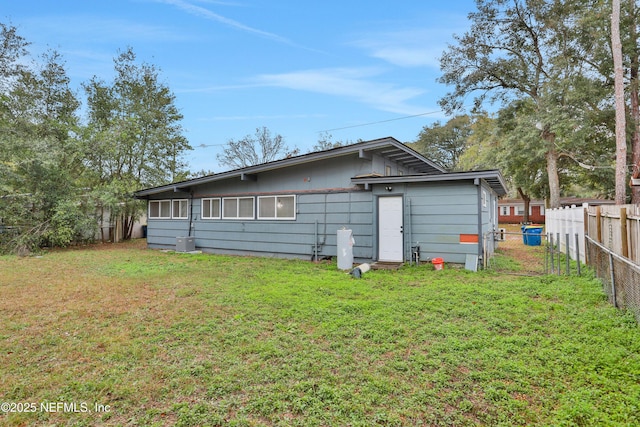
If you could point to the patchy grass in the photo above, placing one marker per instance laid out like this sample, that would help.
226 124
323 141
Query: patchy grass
192 340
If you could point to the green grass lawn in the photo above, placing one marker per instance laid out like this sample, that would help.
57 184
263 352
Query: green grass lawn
192 340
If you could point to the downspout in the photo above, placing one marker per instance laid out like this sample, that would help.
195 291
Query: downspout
410 220
476 182
190 214
315 250
318 246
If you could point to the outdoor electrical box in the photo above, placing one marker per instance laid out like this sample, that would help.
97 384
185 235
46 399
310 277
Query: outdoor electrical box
345 249
185 244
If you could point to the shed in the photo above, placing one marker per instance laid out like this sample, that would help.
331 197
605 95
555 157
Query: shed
389 195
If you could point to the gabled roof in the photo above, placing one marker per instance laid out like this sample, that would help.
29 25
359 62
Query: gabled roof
492 177
388 147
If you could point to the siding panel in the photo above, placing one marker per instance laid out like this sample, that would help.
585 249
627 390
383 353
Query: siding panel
288 238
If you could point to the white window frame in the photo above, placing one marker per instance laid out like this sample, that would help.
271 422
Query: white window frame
276 217
519 210
226 200
485 196
180 202
542 210
209 200
159 202
505 210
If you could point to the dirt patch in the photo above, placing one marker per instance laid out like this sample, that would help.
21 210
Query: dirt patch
529 258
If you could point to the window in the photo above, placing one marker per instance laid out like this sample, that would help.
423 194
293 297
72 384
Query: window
180 209
159 209
541 210
277 207
387 170
210 208
504 210
237 208
484 198
520 210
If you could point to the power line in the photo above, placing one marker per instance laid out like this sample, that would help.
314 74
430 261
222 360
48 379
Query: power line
380 121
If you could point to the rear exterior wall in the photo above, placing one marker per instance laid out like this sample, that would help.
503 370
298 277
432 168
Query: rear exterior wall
436 215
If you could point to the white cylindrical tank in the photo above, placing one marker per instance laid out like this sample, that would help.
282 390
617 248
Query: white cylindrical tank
345 249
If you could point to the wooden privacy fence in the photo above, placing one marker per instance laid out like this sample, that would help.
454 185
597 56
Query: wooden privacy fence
616 227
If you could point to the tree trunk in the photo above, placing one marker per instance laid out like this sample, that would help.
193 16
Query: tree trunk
527 202
552 171
621 140
635 107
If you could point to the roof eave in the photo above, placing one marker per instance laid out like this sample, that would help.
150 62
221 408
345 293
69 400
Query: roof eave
414 158
493 178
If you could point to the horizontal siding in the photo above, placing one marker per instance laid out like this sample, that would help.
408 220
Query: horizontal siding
318 215
438 215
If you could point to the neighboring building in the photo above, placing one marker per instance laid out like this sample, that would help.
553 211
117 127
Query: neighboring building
511 211
392 197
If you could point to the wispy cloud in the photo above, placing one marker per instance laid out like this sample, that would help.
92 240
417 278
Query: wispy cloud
207 14
406 48
354 83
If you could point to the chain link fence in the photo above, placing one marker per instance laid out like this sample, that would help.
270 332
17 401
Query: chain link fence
620 277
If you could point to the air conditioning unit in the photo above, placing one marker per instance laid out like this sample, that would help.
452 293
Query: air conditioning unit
185 244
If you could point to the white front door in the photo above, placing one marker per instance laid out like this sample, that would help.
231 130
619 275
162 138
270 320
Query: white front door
390 237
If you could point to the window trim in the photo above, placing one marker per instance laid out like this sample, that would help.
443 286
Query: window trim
159 209
209 199
237 199
174 215
276 218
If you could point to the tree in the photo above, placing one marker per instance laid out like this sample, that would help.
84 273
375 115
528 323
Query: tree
629 48
531 50
255 149
445 144
134 137
621 132
42 156
325 142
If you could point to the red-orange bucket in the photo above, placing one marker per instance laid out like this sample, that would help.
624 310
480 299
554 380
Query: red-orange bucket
438 263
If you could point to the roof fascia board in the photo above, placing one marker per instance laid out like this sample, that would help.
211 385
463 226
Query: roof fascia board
456 176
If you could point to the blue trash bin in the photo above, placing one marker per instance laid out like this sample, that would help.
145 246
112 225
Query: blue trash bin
532 235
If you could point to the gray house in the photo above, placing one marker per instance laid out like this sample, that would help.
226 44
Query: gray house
390 196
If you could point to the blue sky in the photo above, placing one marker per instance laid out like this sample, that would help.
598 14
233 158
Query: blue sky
351 69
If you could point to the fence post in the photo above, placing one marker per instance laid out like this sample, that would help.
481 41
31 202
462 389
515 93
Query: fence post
578 252
598 225
551 264
559 251
613 280
566 238
623 232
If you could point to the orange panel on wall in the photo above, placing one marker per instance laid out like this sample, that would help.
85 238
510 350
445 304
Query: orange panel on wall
468 238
